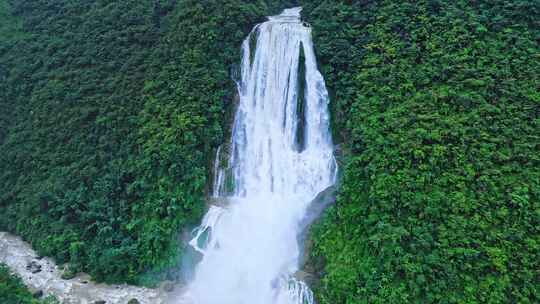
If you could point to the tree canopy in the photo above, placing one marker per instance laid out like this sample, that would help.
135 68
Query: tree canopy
436 105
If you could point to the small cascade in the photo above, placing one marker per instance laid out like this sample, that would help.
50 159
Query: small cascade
218 174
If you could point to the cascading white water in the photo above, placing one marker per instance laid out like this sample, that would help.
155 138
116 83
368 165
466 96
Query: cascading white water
281 157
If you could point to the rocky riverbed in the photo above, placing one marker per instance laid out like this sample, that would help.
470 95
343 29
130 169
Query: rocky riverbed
43 276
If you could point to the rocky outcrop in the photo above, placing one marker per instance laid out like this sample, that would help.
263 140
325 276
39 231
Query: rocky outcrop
322 201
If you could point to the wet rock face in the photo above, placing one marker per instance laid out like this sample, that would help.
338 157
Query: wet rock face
324 199
168 286
222 202
306 277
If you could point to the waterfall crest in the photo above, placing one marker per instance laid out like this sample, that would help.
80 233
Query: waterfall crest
280 158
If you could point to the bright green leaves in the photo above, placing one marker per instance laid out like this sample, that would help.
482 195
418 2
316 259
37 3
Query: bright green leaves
439 196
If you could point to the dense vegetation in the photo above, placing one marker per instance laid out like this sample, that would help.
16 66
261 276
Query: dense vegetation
436 104
110 114
12 290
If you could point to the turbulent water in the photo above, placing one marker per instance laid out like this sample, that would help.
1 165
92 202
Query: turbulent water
279 158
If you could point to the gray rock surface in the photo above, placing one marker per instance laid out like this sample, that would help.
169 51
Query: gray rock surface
168 286
324 199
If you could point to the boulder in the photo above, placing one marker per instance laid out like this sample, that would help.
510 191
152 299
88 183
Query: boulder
168 286
38 294
68 273
33 267
133 301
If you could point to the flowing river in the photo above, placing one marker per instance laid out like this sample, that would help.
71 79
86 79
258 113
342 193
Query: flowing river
279 158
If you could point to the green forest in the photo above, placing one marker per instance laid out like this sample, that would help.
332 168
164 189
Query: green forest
112 111
437 104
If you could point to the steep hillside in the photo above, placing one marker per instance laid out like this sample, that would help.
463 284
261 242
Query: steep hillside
113 111
436 104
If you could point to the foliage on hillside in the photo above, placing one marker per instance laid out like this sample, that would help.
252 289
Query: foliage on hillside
437 105
12 290
10 26
111 112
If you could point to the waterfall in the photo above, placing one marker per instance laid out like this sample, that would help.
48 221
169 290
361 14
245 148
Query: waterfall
280 158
